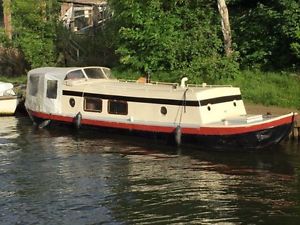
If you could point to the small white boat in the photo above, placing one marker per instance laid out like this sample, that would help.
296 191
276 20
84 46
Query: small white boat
8 99
208 116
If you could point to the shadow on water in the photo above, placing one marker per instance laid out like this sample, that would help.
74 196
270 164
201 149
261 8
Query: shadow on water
62 176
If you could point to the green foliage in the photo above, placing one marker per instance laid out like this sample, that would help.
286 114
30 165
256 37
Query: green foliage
35 30
4 41
20 80
182 36
1 13
291 25
266 32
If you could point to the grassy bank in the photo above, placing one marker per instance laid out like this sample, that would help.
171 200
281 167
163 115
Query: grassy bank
266 88
19 80
278 89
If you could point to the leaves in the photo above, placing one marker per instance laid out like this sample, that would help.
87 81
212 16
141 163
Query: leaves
266 32
169 35
35 30
176 36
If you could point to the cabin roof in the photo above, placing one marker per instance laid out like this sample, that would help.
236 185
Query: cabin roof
58 72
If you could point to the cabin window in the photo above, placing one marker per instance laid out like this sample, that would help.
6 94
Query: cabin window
98 73
94 73
108 73
92 104
33 84
73 75
117 107
52 89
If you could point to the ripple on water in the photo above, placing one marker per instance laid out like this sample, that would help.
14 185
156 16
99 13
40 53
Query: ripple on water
54 176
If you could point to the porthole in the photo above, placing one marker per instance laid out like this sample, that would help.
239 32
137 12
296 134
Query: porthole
72 102
163 110
234 103
208 108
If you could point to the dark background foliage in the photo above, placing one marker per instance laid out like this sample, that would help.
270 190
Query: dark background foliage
173 37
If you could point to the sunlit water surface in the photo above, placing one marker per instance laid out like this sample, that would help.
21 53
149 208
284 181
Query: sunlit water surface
59 176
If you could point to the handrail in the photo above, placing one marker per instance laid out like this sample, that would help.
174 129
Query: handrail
176 85
165 83
208 86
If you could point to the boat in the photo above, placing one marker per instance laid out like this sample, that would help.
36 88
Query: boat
208 116
8 99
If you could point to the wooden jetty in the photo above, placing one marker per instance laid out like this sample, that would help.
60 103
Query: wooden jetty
295 131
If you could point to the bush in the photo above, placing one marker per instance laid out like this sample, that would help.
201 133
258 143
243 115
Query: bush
35 31
181 37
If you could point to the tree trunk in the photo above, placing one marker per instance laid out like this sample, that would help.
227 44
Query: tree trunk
7 18
225 27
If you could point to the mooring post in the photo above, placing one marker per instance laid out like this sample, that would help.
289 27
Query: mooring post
292 134
296 128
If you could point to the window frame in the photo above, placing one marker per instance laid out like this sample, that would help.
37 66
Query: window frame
117 112
75 75
34 85
50 89
99 100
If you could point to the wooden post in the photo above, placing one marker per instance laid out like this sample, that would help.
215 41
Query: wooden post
225 27
7 18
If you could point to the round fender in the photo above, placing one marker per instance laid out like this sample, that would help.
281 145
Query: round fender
44 124
178 135
77 120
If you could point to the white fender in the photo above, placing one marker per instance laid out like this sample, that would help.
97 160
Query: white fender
77 120
44 124
178 135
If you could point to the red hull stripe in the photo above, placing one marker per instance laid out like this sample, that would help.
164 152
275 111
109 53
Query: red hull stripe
288 119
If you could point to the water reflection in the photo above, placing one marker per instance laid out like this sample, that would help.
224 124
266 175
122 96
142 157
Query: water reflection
58 176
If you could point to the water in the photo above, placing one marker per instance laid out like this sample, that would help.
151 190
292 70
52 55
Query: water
58 176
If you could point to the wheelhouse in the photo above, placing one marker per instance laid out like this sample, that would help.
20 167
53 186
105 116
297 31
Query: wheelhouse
45 85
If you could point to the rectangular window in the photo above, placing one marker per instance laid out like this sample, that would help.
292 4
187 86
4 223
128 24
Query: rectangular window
92 104
117 107
33 84
52 89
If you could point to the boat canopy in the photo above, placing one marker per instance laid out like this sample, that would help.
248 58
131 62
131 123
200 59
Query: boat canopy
44 85
70 73
58 73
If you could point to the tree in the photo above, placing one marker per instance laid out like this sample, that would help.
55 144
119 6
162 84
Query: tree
174 35
225 26
35 25
266 33
291 26
7 18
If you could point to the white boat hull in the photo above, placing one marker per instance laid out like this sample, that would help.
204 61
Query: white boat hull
8 105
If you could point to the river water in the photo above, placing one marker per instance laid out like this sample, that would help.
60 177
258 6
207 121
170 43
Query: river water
59 176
